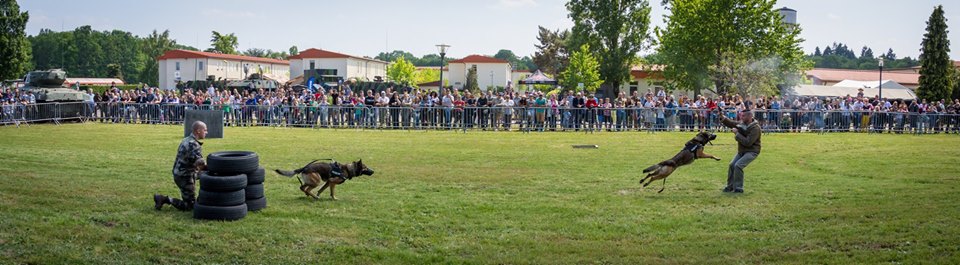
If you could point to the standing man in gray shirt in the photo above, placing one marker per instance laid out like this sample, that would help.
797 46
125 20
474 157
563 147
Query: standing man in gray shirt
747 134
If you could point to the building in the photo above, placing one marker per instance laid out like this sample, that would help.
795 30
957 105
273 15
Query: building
182 66
829 77
491 72
333 66
517 75
643 79
86 81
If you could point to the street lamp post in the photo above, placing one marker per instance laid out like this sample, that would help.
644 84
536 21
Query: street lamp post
443 52
880 87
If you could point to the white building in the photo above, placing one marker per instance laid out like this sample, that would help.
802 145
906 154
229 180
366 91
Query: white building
491 72
516 76
337 64
183 66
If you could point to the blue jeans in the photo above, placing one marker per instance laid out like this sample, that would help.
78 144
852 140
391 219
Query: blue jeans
735 172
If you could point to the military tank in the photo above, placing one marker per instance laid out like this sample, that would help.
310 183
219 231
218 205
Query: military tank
254 82
47 86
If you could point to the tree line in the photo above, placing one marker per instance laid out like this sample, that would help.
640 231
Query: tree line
840 56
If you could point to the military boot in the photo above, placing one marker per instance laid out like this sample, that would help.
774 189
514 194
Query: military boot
159 201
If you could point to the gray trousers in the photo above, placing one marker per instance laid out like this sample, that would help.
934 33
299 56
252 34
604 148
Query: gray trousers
735 173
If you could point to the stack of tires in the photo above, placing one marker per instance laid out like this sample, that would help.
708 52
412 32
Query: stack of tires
232 186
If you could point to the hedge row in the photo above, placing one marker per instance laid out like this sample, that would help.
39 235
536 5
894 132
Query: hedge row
100 89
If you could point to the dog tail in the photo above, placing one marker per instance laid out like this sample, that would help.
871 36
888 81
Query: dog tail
287 173
294 172
651 168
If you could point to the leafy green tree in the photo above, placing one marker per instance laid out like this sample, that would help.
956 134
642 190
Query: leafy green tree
747 78
528 63
226 44
616 29
508 55
472 84
91 61
936 72
154 45
552 55
392 56
15 49
701 34
583 68
114 71
402 72
421 76
255 52
294 50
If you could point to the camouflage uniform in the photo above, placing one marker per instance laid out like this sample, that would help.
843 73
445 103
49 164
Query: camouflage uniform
185 172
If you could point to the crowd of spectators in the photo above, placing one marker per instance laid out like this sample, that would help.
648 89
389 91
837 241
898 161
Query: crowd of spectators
507 110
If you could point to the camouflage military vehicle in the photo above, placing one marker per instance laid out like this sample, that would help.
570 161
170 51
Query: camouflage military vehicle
254 82
47 86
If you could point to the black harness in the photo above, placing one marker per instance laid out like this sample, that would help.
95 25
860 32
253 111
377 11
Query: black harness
692 146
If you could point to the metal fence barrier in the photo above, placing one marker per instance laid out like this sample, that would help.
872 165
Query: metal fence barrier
525 119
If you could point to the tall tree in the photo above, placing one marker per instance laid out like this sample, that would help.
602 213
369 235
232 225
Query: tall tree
528 63
747 78
154 45
616 29
114 71
866 52
700 34
256 52
402 72
15 49
90 61
509 56
392 56
294 50
472 84
551 56
890 55
584 69
226 44
936 72
817 52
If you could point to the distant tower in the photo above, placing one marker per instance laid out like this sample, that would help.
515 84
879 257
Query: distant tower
789 16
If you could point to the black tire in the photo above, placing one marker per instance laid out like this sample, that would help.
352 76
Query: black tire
256 176
227 213
222 183
216 198
232 162
257 204
253 191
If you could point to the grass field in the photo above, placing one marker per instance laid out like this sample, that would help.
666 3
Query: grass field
81 194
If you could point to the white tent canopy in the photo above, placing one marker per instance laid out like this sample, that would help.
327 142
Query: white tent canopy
870 84
838 91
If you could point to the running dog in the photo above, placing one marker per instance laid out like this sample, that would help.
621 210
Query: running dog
330 173
691 151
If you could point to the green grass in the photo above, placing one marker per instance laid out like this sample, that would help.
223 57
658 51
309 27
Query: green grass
81 194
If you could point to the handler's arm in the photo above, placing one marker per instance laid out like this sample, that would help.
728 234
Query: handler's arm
729 123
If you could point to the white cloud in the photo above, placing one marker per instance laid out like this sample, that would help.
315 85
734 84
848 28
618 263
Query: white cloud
833 16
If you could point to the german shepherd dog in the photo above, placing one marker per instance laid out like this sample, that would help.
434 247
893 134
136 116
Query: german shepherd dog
691 151
314 172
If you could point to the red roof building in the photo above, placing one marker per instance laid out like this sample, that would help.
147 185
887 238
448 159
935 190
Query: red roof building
829 77
183 65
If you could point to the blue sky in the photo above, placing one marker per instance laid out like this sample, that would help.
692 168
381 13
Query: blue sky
366 27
